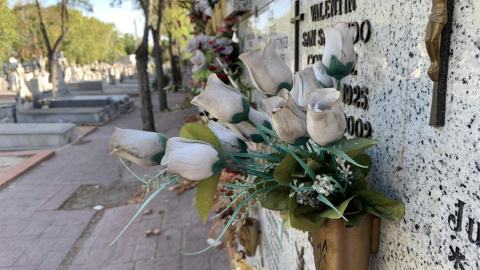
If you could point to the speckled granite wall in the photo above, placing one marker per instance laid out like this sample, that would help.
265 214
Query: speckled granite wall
434 171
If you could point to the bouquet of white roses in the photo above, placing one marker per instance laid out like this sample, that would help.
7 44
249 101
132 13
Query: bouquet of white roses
306 169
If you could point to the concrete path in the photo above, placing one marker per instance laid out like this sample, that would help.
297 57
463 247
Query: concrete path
34 234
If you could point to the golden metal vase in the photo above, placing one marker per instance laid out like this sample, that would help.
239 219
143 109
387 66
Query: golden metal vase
336 247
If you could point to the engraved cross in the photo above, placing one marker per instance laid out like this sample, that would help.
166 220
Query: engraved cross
296 20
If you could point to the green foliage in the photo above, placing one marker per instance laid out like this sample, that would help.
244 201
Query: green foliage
364 159
130 44
283 172
117 46
356 146
380 205
202 74
304 217
88 39
199 132
332 214
205 194
277 199
176 22
8 33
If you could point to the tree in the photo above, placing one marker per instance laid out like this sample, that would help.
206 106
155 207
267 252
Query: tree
8 35
117 47
28 45
53 49
141 55
157 50
178 28
130 43
89 39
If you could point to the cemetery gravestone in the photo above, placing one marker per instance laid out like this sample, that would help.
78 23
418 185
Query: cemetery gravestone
33 136
434 171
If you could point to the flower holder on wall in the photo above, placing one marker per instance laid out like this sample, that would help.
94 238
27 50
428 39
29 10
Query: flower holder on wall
248 236
336 247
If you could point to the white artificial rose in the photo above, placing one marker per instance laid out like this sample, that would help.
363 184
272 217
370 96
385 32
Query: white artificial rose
224 41
339 57
198 60
322 77
227 50
268 72
222 102
326 120
192 45
202 41
259 118
229 139
304 83
323 99
288 119
208 11
246 131
140 147
193 160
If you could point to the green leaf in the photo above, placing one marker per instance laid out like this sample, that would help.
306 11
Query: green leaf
355 220
354 207
356 146
261 184
277 199
313 165
285 215
157 158
332 214
304 218
284 170
364 159
324 200
380 205
199 132
206 190
202 74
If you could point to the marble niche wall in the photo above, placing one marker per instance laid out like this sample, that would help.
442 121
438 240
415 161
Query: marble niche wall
434 171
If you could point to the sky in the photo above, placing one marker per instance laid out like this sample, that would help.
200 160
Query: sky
123 17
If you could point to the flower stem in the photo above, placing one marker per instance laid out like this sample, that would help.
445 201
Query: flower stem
339 85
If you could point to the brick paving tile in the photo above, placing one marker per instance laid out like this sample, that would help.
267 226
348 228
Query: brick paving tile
197 262
161 263
122 266
9 257
37 252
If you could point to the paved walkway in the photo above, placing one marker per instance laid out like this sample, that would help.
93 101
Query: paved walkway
34 234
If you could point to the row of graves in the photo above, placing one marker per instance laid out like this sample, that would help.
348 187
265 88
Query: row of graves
33 115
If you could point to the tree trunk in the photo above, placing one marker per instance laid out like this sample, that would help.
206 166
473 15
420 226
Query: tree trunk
52 71
141 55
157 49
144 87
174 65
162 94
